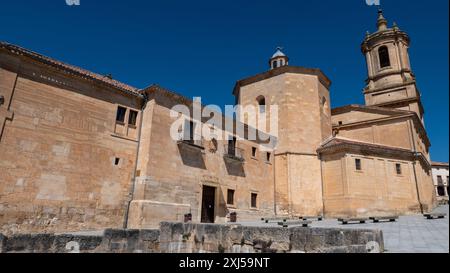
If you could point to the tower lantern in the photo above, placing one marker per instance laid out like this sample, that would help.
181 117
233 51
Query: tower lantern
278 59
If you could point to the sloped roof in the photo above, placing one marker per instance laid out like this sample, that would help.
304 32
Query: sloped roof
385 111
67 68
338 144
279 53
334 141
371 109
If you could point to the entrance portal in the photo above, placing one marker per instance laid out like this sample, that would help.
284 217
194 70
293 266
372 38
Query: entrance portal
208 202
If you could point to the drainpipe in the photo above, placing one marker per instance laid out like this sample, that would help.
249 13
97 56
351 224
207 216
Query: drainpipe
414 167
274 184
322 183
125 223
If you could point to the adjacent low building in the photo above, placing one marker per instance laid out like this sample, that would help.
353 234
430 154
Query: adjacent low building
441 180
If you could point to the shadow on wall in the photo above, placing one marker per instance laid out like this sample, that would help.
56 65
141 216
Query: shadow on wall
222 211
191 156
234 167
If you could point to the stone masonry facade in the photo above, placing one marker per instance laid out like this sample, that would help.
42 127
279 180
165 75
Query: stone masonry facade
82 151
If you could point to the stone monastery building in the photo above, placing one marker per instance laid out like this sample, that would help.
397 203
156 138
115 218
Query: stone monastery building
82 151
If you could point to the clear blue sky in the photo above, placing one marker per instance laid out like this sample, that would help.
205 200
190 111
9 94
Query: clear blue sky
200 48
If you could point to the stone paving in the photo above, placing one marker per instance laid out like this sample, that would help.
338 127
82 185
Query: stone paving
410 234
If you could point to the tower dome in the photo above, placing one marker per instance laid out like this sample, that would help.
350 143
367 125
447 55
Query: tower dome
278 59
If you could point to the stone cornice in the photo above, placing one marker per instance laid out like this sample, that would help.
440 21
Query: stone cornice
337 145
374 39
157 92
281 70
394 114
394 86
370 109
389 72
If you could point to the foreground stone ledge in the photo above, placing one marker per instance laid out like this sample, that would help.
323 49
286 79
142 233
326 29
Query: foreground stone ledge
200 238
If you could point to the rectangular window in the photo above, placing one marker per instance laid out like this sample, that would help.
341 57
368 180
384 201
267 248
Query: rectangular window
398 168
358 164
189 129
230 197
120 117
439 179
254 200
253 151
132 118
268 155
232 146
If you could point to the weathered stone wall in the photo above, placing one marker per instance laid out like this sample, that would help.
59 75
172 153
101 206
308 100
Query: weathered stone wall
199 238
397 132
172 174
304 121
58 150
178 237
111 240
376 190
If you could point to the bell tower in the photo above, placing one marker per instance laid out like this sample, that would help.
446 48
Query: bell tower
278 59
390 82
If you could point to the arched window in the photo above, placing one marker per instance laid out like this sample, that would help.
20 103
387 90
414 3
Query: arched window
383 54
274 64
324 105
261 103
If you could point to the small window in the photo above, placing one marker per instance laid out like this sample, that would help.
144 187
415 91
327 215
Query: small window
254 203
261 101
383 54
398 168
116 161
340 123
120 117
230 197
232 146
268 156
132 118
253 151
261 104
274 64
358 164
189 129
439 179
441 190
